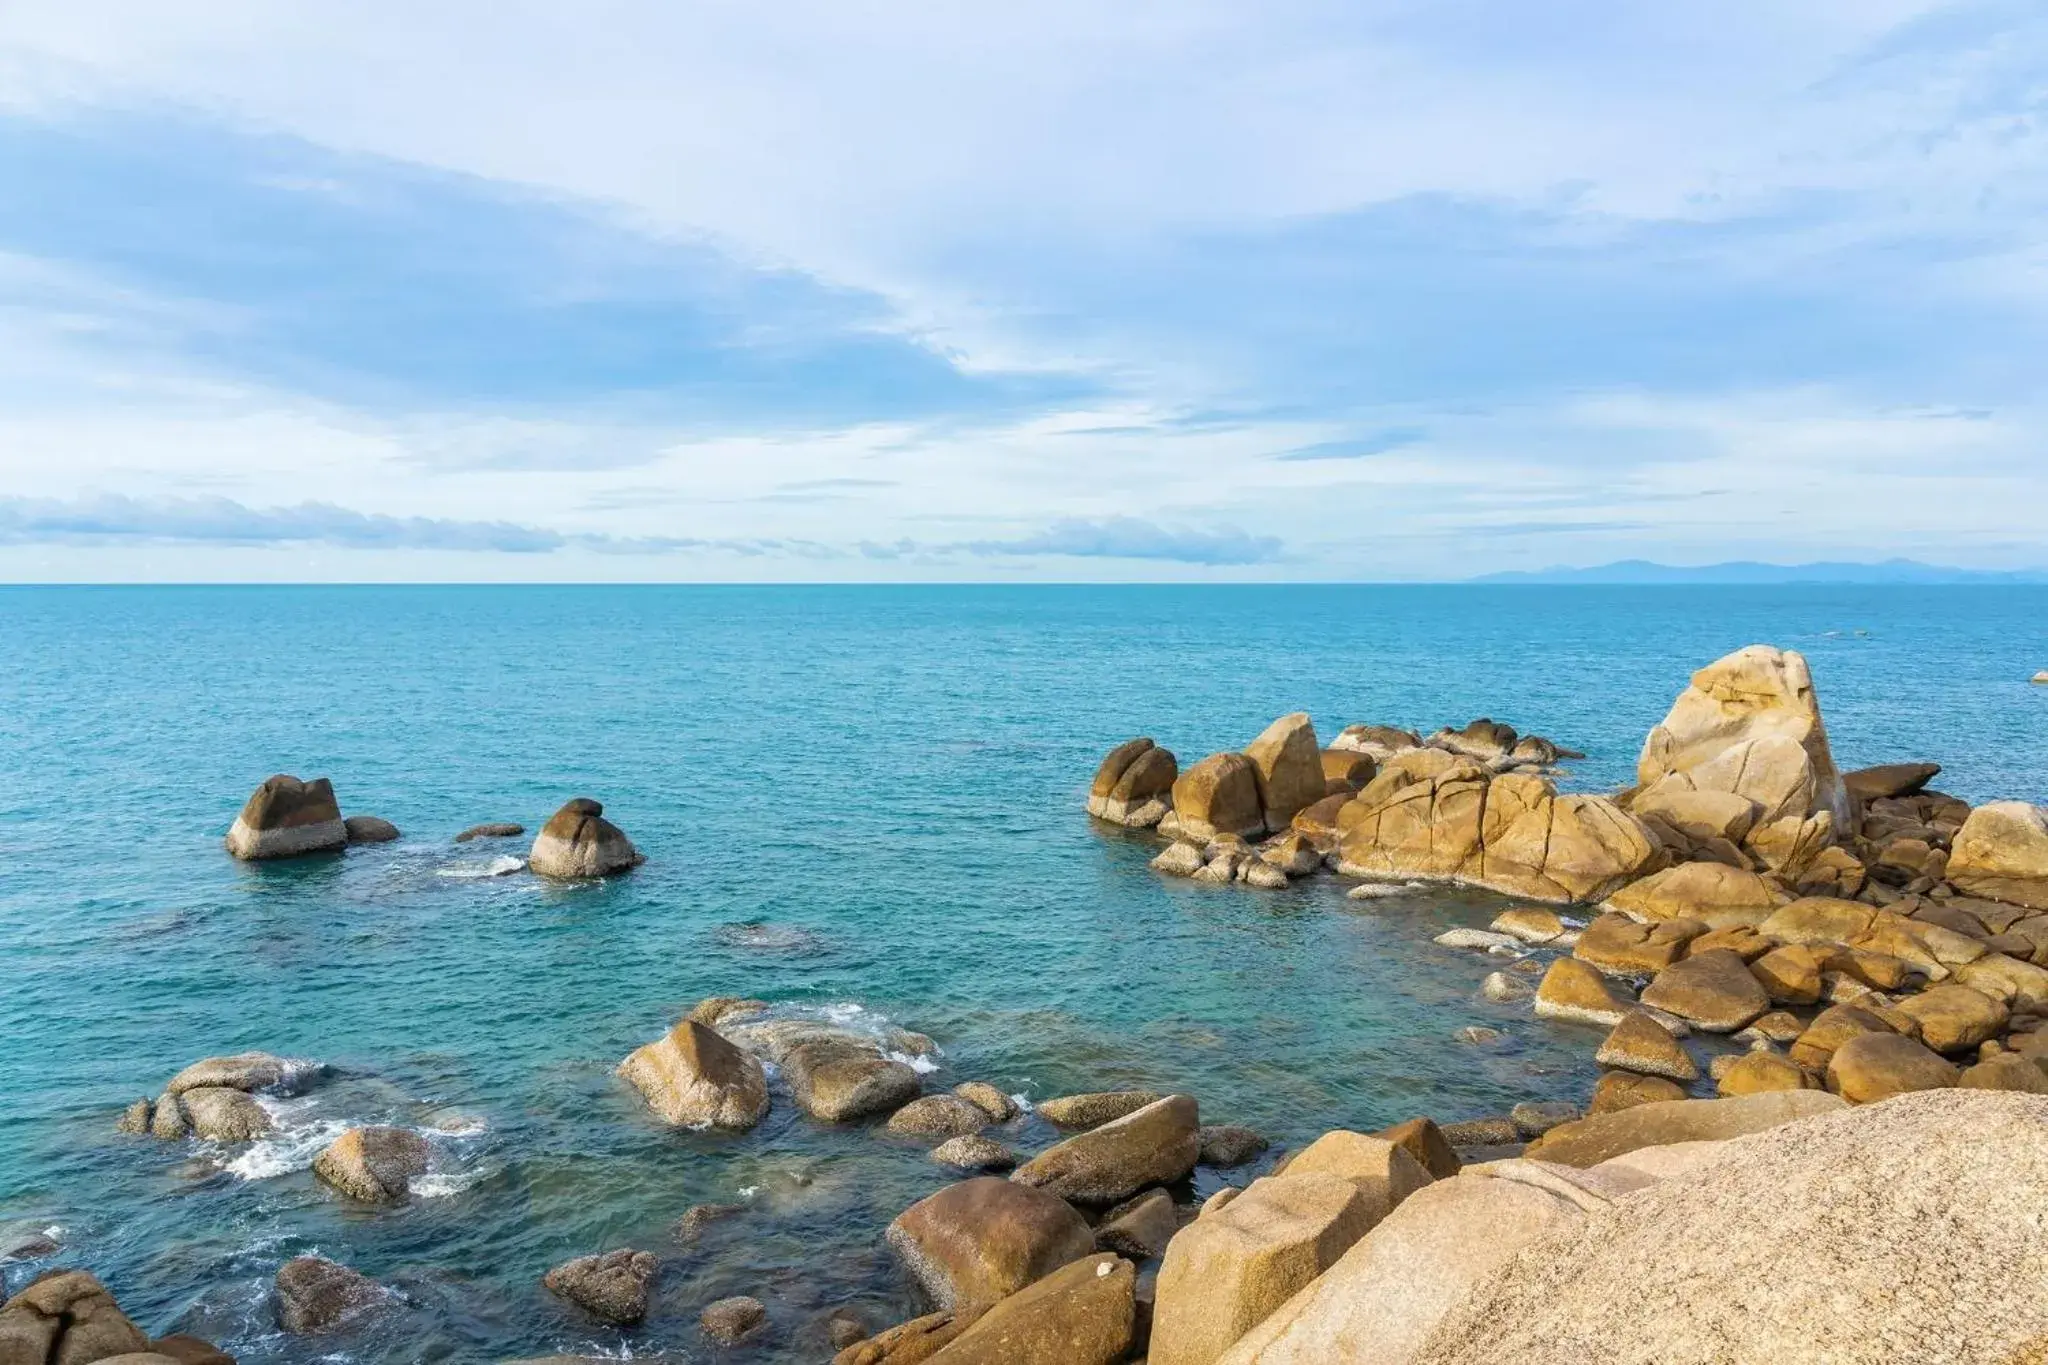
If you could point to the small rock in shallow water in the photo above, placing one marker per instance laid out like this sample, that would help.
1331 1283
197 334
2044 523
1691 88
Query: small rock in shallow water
692 1077
1532 1118
1179 860
1372 891
1481 1133
369 829
313 1294
500 830
975 1153
1096 1108
578 842
938 1116
1479 1035
1264 876
1225 1145
999 1107
135 1118
767 938
375 1164
1484 939
1503 989
730 1320
611 1287
844 1327
700 1216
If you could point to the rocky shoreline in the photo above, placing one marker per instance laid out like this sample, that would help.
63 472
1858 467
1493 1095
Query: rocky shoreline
1816 998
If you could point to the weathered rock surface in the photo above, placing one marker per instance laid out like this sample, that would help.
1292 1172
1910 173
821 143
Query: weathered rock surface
1639 1043
1082 1314
1095 1108
1620 946
730 1321
312 1294
1713 1275
1757 1072
611 1287
937 1116
374 1165
1729 730
982 1239
1955 1018
66 1317
285 818
1134 784
838 1081
577 842
975 1153
1618 1090
913 1342
1382 742
1876 1066
499 829
1139 1228
1219 795
1288 763
1712 990
1602 1136
990 1099
1383 1171
1713 893
2001 853
217 1114
1156 1145
1224 1274
1423 1140
369 829
1889 780
1576 991
693 1078
1225 1145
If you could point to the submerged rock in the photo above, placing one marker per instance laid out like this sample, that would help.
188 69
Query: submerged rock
1156 1145
692 1077
369 829
218 1114
698 1217
730 1321
375 1164
578 842
285 818
503 829
312 1294
611 1287
982 1239
1225 1145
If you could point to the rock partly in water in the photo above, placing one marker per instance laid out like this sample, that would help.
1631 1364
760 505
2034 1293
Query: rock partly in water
982 1239
1712 990
1156 1145
1139 1228
840 1081
1134 784
217 1114
937 1116
611 1287
1287 761
693 1078
578 842
1219 795
501 829
698 1217
913 1342
1225 1145
1639 1043
999 1107
285 818
66 1316
730 1321
312 1294
975 1153
1096 1108
1576 991
374 1165
369 829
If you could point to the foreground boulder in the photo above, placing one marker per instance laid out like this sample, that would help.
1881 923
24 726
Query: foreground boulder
1134 785
373 1165
693 1078
1157 1145
1595 1139
2001 853
312 1294
285 818
611 1287
66 1316
1083 1314
1220 795
577 842
1795 1208
1225 1273
982 1239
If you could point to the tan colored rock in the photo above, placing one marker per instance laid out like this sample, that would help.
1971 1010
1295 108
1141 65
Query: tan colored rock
312 1294
1139 1228
1423 1140
1380 741
2021 985
990 1099
1639 1043
1292 854
1133 783
840 1079
1745 942
1620 946
1219 795
1876 1066
375 1164
1889 780
286 818
1095 1108
218 1114
1717 895
1179 859
1226 1273
1602 1136
1619 1090
1384 1172
1288 761
1699 815
2001 853
913 1342
2005 1071
611 1287
1576 991
369 829
974 1152
937 1116
1566 848
578 842
1755 1073
1819 919
985 1238
1319 823
1779 1026
1531 924
1791 975
693 1078
1083 1314
1349 768
66 1317
1730 729
1831 1028
1712 991
1955 1018
1157 1145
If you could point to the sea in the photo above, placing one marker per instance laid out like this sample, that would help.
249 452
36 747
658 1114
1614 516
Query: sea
863 803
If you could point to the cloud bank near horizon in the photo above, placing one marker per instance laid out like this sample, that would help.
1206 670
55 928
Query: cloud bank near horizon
1294 290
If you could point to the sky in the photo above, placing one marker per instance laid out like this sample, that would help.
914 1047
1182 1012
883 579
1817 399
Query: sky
851 290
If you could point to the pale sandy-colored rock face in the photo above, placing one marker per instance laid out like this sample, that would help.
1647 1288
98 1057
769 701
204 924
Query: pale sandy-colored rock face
1733 722
1706 1268
693 1078
1134 785
578 842
1084 1313
1289 763
2001 853
286 818
981 1239
1219 795
1601 1137
1713 893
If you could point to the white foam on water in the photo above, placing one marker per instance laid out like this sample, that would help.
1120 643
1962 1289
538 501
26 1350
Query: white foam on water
441 1184
292 1146
1024 1106
923 1066
749 1191
504 865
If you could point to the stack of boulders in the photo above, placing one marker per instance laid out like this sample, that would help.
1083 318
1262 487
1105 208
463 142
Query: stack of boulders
67 1317
214 1099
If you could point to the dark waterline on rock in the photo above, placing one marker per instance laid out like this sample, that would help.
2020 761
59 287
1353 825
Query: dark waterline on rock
849 798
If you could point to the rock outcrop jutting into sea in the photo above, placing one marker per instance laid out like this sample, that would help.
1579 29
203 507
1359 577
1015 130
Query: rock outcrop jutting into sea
578 842
285 818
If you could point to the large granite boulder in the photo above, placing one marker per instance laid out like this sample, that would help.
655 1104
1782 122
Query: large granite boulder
1888 781
1577 991
1770 1251
1134 785
1713 990
1224 1274
1219 795
694 1078
838 1082
1379 1167
2001 853
1729 731
1289 765
1640 1044
1094 1108
285 818
248 1071
1955 1018
1595 1139
983 1239
1715 894
66 1317
213 1113
578 842
611 1287
913 1342
1876 1066
1085 1313
312 1294
1157 1145
375 1164
937 1117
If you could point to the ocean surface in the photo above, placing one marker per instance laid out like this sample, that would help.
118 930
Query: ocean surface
862 801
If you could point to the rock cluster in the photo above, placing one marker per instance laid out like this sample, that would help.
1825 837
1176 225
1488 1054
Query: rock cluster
67 1317
214 1099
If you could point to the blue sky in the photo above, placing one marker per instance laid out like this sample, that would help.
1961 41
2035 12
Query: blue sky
906 290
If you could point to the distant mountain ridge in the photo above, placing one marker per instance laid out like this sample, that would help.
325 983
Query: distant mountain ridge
1890 571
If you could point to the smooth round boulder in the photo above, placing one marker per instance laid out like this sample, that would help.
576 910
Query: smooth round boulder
1619 1090
578 843
287 818
985 1238
999 1107
1139 1228
937 1116
1157 1145
243 1071
1876 1066
369 829
1757 1072
975 1153
312 1294
838 1081
1955 1018
1084 1313
1096 1108
375 1164
1712 990
693 1078
1576 991
611 1287
216 1114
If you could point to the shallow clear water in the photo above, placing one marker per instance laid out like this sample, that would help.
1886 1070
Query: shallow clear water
897 773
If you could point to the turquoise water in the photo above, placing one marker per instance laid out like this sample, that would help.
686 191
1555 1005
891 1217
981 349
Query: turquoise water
889 780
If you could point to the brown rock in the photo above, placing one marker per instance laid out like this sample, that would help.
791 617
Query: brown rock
999 1107
375 1164
1288 762
1791 975
975 1153
836 1080
1757 1072
913 1342
1620 946
1318 823
611 1287
1597 1138
312 1294
1083 1314
1133 784
2006 1071
502 829
1831 1028
1349 767
578 842
1530 924
217 1114
1619 1090
1955 1018
1749 723
1383 1171
1156 1145
1713 991
1139 1228
1876 1066
1639 1043
1713 893
65 1317
1889 780
1226 1273
1576 991
369 829
692 1077
731 1321
1219 795
2001 853
937 1116
1701 816
1739 939
1225 1145
285 818
981 1239
1423 1140
1096 1108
